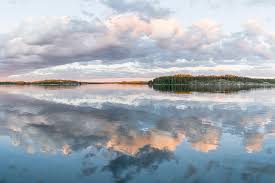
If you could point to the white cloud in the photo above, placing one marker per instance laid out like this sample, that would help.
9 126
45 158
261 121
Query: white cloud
60 40
148 8
97 70
149 42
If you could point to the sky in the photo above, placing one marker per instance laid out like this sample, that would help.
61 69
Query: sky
115 40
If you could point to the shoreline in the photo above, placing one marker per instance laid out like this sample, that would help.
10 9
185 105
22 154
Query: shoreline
69 84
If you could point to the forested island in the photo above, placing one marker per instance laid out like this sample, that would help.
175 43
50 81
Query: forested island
184 79
183 83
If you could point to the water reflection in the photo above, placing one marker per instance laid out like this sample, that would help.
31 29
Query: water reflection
123 134
207 88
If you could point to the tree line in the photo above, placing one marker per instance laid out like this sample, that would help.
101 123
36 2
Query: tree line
211 79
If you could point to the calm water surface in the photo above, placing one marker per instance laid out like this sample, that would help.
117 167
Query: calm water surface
113 133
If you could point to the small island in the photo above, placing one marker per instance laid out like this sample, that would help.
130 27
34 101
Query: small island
45 83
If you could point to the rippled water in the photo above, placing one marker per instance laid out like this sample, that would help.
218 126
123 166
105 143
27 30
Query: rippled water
115 133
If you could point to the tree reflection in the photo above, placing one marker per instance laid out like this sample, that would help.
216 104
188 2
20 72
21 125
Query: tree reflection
188 89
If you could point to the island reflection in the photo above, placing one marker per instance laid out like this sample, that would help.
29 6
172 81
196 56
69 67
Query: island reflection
134 128
211 88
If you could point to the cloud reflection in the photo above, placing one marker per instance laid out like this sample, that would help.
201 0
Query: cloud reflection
54 122
131 129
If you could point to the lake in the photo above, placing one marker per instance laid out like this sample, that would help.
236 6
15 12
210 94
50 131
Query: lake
132 133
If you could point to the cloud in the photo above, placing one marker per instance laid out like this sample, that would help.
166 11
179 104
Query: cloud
131 70
60 40
120 39
147 8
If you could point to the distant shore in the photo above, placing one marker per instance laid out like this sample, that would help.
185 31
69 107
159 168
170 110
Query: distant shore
69 83
180 79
